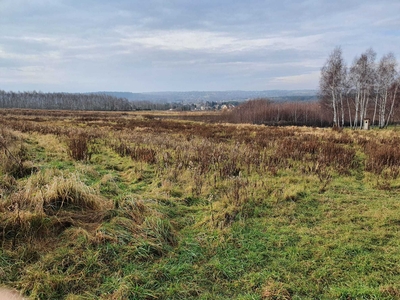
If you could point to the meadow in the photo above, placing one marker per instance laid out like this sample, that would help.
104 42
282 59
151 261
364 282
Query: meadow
125 205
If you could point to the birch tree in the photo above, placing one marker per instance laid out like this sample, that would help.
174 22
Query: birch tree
332 82
387 86
362 78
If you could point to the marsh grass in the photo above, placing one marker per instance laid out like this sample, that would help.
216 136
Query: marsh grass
79 145
13 155
126 206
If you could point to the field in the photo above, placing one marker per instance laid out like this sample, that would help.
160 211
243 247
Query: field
163 206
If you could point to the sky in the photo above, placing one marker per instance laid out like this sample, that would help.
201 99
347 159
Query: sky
183 45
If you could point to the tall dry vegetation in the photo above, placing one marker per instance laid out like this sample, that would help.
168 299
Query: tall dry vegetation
48 203
13 154
79 145
265 111
383 157
202 148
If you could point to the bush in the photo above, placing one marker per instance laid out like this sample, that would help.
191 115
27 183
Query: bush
78 143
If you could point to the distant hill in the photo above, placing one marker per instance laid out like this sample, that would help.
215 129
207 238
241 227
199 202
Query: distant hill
217 96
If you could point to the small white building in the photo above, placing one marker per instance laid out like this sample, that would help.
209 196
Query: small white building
366 124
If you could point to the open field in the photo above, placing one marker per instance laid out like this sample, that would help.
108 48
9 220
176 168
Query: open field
149 206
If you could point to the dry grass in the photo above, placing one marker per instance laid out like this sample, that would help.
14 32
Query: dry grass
47 203
13 154
275 290
51 190
78 143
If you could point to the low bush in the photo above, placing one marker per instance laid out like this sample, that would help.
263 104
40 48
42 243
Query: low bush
79 145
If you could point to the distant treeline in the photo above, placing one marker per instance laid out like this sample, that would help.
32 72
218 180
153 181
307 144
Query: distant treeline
64 101
76 101
268 112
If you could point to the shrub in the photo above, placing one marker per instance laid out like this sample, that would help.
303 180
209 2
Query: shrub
78 143
381 157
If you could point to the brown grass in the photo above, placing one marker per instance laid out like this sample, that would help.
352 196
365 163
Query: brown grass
275 290
48 203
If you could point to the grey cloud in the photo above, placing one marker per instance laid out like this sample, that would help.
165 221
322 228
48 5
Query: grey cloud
181 44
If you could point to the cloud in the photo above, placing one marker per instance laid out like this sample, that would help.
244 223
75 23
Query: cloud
301 81
222 42
157 45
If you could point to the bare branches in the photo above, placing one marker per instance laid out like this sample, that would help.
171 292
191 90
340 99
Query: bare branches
366 90
332 83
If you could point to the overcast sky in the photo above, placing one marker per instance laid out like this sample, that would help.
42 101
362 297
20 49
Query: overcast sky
185 45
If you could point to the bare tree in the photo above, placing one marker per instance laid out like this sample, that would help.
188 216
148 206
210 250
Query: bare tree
393 93
39 100
387 86
362 78
332 84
